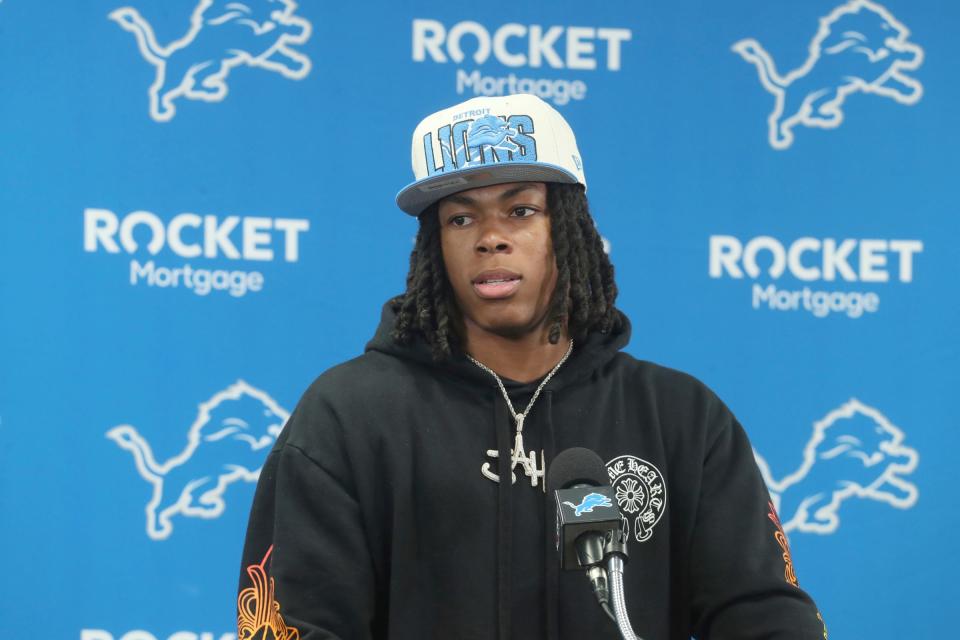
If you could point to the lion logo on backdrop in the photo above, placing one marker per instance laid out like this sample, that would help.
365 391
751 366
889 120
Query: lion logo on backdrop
222 35
854 452
860 47
226 443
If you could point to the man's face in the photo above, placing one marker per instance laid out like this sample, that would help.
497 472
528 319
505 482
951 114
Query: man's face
499 257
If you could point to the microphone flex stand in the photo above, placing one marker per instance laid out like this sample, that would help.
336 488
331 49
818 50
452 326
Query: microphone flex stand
615 552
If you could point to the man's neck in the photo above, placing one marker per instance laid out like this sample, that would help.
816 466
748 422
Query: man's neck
523 359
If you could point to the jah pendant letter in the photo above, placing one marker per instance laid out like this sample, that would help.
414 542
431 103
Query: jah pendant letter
518 456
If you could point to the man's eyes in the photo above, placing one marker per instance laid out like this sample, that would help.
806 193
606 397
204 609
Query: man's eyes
464 220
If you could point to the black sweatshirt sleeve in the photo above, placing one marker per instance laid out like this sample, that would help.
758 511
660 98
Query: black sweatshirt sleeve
306 570
744 585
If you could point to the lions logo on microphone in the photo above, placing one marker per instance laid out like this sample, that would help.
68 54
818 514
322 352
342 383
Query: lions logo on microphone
640 492
590 502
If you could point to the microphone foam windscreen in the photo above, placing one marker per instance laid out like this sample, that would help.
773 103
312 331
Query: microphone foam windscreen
576 466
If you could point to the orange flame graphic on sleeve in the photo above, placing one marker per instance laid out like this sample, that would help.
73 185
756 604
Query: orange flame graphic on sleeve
258 615
788 572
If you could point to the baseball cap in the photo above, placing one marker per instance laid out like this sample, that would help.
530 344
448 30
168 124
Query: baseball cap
489 140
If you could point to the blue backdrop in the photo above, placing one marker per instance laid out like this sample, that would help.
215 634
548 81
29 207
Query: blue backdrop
198 219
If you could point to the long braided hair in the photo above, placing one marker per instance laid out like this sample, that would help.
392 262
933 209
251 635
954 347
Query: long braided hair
583 300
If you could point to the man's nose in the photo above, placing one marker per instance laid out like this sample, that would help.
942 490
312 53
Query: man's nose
493 239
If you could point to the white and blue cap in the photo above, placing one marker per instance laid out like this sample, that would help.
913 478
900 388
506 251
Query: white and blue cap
485 141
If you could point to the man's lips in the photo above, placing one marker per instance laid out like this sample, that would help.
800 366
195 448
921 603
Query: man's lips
496 283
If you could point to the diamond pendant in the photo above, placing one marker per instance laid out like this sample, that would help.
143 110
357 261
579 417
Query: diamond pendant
519 456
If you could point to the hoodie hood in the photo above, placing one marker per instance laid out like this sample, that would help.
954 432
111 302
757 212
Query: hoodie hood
588 355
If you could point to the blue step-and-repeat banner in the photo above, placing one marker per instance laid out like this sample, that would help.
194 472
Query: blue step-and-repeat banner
198 219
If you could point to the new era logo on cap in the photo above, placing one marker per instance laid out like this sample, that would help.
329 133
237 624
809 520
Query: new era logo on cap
487 141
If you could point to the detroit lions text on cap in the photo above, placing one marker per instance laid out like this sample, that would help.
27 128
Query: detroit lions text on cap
486 140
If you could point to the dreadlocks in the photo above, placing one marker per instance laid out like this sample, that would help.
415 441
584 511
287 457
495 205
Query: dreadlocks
583 300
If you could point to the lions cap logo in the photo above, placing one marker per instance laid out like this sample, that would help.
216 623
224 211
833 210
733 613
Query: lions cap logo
855 451
222 35
227 442
860 46
493 133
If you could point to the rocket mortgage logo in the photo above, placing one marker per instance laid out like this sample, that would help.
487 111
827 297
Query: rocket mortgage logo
157 245
572 52
822 277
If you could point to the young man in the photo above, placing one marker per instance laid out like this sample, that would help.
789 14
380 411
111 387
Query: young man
405 497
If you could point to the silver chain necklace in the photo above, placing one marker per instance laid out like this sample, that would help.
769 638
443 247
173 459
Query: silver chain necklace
518 455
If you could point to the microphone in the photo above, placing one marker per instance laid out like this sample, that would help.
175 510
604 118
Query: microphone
586 507
589 533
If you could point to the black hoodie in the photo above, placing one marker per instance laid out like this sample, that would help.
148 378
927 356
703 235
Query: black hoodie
372 518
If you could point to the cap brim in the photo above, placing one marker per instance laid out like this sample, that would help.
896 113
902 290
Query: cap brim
417 196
